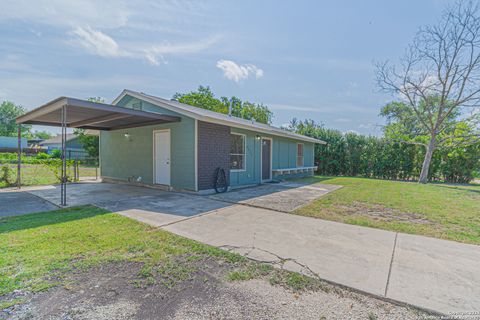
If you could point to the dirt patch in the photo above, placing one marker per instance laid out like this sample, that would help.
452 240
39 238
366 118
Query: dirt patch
192 290
382 213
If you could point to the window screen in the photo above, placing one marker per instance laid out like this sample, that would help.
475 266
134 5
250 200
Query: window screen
237 152
300 155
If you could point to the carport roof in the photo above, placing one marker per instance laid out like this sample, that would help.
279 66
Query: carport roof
92 115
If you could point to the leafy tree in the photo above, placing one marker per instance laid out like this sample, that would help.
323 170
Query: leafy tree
404 126
89 142
8 113
205 99
42 135
439 78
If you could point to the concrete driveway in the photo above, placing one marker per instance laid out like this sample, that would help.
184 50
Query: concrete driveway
149 205
13 203
283 196
172 206
425 272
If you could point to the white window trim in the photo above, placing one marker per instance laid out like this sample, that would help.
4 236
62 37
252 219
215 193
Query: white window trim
297 156
244 153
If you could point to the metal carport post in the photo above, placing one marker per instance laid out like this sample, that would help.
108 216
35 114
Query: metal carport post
63 191
19 164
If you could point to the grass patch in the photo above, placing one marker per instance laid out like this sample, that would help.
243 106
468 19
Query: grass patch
37 250
8 303
250 271
38 174
287 279
440 210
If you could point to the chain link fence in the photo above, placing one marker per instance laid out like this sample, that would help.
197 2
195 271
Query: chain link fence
38 168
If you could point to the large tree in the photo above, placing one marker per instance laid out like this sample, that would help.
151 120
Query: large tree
439 79
204 98
42 134
8 113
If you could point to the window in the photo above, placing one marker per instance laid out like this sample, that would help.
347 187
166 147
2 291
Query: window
237 151
299 155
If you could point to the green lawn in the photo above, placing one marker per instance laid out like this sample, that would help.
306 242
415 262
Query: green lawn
438 210
37 249
37 174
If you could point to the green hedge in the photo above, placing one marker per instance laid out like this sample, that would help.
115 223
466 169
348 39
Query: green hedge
353 154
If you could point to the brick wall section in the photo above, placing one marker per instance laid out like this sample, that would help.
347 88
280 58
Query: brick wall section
213 152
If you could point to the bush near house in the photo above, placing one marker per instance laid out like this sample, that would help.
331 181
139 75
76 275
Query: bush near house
352 154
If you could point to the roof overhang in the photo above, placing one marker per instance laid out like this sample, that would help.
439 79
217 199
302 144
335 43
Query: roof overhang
85 114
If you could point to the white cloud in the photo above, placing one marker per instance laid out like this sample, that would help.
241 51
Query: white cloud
236 72
96 42
101 44
156 52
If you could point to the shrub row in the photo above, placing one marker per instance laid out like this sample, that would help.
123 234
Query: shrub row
353 154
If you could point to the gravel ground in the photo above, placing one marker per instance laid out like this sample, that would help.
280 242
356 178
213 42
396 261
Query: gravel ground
257 299
116 291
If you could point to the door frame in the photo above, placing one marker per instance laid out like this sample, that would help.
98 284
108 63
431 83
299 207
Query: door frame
261 159
155 153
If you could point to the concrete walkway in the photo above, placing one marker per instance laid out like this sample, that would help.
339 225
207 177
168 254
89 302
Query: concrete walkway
283 196
433 274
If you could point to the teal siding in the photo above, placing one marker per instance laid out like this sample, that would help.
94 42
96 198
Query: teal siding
284 155
121 158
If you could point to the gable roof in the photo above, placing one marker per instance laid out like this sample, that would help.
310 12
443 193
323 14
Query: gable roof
58 139
214 117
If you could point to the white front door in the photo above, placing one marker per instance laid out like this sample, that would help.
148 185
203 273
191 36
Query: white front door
161 153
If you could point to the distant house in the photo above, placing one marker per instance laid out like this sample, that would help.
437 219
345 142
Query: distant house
8 144
74 148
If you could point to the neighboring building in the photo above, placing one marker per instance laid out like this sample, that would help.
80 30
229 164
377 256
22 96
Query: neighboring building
35 142
7 143
184 155
74 148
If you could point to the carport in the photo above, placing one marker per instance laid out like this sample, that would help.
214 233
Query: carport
68 112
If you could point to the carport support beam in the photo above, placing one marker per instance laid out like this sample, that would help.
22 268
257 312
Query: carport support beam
63 190
19 163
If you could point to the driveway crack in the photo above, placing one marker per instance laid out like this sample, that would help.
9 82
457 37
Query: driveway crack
391 264
281 260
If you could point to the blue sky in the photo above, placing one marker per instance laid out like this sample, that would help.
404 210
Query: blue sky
304 59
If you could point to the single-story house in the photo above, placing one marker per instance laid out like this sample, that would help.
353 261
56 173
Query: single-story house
74 148
184 154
